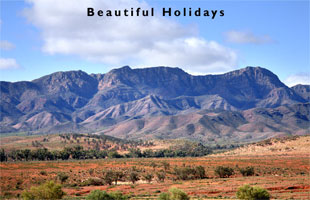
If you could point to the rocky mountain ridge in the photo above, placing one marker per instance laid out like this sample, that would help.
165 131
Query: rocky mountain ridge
76 101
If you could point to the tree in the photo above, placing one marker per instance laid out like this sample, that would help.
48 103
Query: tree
108 177
148 153
134 177
117 176
48 190
64 154
114 154
27 154
252 193
135 153
3 156
77 152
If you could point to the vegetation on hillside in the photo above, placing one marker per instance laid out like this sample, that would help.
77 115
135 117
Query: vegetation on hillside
103 147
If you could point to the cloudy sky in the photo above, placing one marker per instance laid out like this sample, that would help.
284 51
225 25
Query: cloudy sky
39 37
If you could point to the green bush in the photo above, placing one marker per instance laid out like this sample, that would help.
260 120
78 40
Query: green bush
118 196
248 171
92 181
252 193
224 172
177 194
108 177
174 194
161 176
188 173
166 165
62 176
103 195
148 177
199 172
98 195
44 173
164 196
184 173
48 190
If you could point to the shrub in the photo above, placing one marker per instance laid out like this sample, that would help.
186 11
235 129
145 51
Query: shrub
118 196
98 195
44 173
161 176
177 194
252 193
248 171
19 184
164 196
224 172
148 177
153 164
103 195
183 173
200 172
166 165
92 181
91 171
174 194
62 177
48 190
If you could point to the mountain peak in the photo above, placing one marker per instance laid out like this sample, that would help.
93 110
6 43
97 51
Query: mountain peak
252 69
303 91
261 75
123 69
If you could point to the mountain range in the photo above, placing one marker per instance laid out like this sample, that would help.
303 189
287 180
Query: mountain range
157 102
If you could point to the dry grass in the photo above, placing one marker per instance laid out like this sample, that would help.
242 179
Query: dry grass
284 176
281 166
286 146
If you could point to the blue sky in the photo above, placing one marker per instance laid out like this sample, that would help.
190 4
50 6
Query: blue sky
40 37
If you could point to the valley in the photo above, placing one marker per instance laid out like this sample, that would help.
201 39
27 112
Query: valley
281 167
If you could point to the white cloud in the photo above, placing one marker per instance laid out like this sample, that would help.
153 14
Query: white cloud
148 41
300 78
246 37
8 63
195 55
6 45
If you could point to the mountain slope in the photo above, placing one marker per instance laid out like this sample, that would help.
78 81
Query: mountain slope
303 91
211 125
77 101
